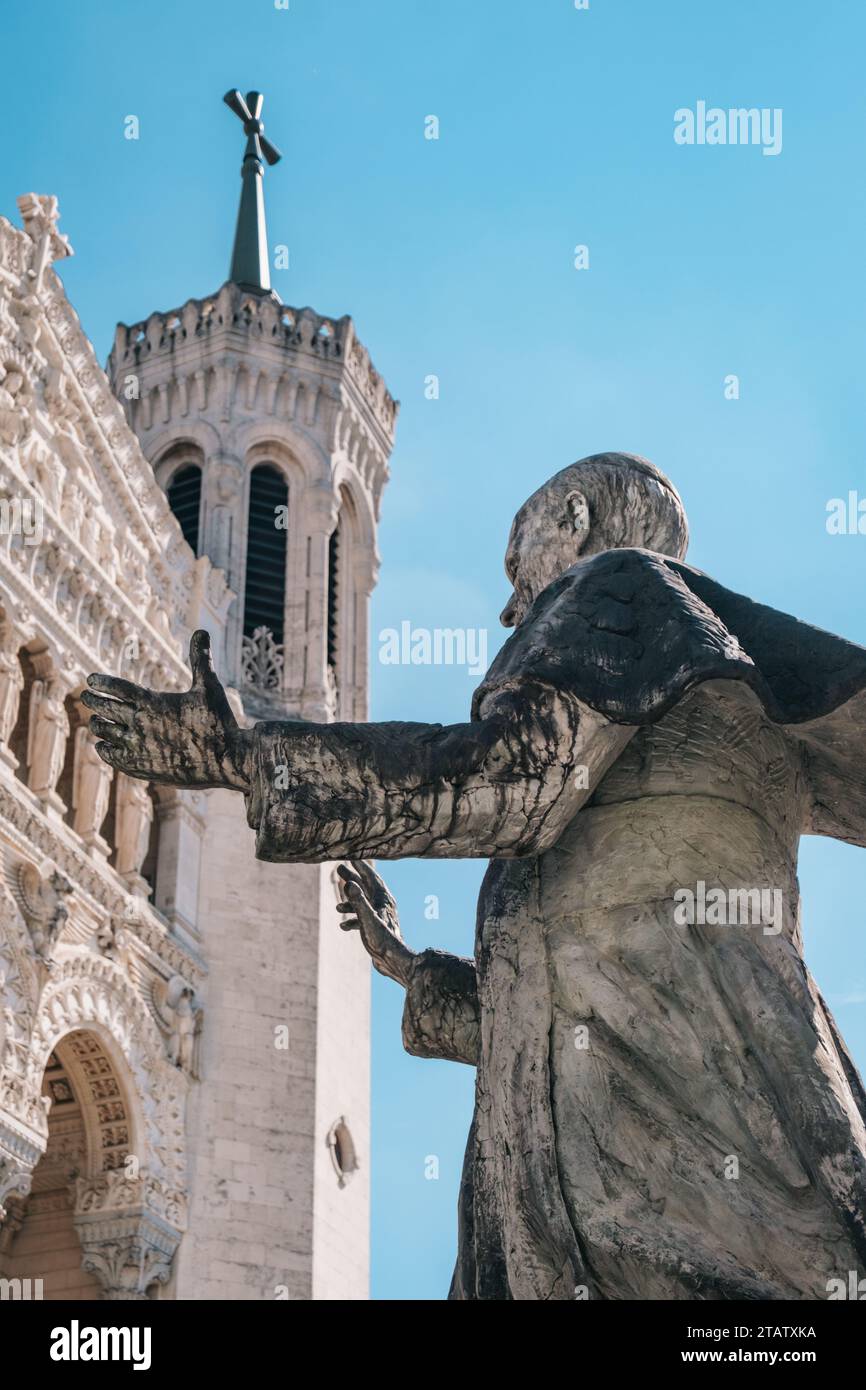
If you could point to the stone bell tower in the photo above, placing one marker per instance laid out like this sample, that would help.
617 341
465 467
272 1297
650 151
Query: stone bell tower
270 431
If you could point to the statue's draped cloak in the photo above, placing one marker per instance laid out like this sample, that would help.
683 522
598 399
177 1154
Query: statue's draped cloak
609 1189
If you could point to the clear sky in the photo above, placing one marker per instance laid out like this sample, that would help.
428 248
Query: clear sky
456 258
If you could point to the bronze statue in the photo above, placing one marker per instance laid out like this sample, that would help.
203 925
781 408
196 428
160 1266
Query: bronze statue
664 1106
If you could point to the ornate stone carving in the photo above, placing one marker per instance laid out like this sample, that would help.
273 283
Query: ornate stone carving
45 909
119 1191
14 1186
132 577
89 990
85 424
181 1019
128 1252
20 1151
15 1016
15 415
112 939
40 214
35 832
262 660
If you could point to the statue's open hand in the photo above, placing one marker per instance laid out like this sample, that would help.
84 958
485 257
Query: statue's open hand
374 914
187 740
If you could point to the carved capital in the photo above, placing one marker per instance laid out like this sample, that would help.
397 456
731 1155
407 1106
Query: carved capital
20 1151
14 1187
322 509
127 1254
129 1230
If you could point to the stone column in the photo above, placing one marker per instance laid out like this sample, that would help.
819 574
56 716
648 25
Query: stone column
181 830
223 527
365 569
321 513
221 484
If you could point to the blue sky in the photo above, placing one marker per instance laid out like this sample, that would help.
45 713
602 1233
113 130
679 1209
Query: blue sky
455 257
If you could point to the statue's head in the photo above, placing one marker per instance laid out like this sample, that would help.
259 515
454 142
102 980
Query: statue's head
603 502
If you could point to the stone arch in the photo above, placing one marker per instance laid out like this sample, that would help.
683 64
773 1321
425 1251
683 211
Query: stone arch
39 1244
346 481
198 436
262 438
89 992
85 1226
112 1117
129 1192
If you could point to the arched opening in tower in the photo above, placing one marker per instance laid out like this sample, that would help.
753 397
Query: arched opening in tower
265 583
184 498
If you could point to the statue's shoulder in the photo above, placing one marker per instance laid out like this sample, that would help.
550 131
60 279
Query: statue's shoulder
629 631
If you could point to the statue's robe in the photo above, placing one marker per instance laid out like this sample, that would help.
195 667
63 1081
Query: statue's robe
662 1111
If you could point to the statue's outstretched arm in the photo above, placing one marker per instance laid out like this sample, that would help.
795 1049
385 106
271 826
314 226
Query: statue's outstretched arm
504 784
440 1015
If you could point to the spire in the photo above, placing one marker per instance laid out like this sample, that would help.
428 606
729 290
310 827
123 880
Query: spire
250 267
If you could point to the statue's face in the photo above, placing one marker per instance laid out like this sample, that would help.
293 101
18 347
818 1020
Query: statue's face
547 536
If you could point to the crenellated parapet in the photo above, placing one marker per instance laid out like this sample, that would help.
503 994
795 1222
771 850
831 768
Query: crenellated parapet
238 354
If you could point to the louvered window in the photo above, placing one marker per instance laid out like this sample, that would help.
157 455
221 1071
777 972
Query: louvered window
333 597
184 498
265 590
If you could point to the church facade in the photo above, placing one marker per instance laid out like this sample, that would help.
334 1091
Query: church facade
184 1031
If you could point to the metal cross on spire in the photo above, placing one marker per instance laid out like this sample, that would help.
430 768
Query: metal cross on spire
250 267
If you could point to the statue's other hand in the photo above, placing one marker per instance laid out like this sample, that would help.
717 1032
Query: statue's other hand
186 740
374 913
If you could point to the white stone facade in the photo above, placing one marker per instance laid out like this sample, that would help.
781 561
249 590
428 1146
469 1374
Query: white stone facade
184 1032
